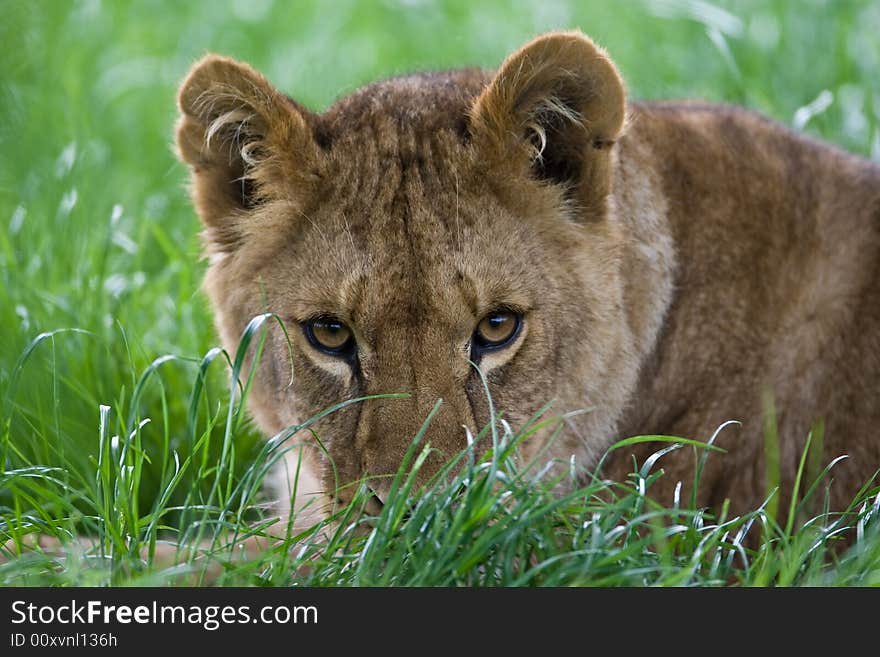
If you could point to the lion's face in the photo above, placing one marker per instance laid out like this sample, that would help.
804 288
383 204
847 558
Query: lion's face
437 236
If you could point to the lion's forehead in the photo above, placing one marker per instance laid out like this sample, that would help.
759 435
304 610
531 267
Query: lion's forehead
433 101
434 265
405 229
410 281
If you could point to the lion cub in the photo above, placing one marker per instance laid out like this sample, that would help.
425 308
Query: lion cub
666 265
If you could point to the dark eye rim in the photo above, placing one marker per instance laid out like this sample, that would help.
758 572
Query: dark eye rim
481 346
345 350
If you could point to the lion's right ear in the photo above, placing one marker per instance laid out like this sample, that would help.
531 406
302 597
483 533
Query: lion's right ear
246 142
554 111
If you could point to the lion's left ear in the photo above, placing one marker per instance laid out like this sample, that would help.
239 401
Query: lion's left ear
553 111
245 142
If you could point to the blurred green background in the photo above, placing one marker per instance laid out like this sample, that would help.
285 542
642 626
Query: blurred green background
97 232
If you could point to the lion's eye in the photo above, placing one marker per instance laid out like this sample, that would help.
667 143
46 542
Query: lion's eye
329 335
497 330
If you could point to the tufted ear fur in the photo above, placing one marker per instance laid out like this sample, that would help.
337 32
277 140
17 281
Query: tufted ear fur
246 143
554 111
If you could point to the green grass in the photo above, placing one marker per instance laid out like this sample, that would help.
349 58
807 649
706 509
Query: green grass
116 416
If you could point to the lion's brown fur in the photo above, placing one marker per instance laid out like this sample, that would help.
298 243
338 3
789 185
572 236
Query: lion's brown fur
673 264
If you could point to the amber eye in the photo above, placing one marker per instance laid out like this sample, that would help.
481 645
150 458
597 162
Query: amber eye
496 330
329 335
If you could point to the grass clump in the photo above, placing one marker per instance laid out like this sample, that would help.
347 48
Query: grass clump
486 519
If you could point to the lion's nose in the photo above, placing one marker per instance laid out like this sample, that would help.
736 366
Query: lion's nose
375 503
